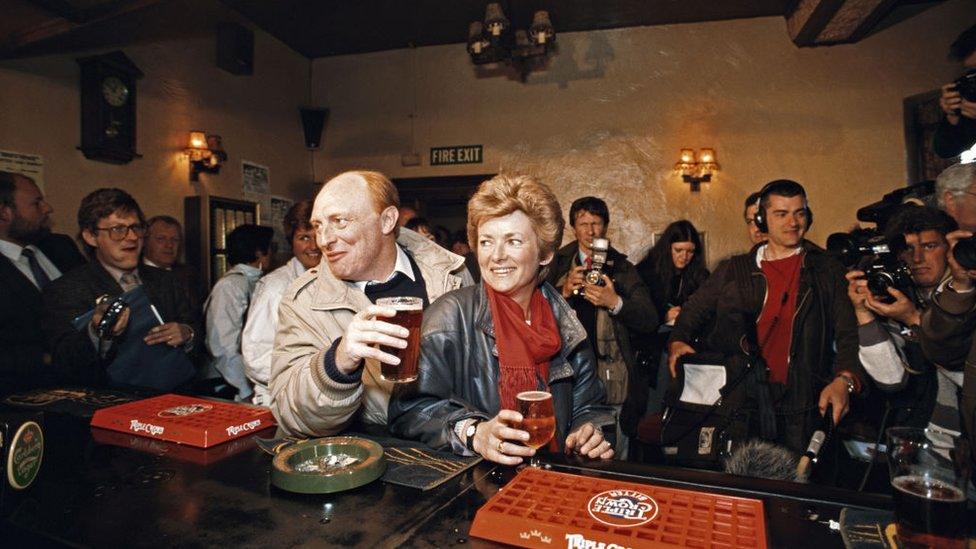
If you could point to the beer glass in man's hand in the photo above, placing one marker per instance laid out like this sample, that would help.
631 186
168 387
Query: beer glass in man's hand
410 315
930 479
538 419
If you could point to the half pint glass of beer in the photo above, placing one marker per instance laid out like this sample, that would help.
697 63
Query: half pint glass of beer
929 476
538 419
410 315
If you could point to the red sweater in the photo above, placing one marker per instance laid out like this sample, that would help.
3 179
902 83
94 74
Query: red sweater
775 325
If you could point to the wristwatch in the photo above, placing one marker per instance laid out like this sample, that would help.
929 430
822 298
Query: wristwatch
469 433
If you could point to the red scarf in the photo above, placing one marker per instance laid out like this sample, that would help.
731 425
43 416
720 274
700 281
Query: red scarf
524 349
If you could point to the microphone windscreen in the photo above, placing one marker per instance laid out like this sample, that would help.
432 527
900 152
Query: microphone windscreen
761 459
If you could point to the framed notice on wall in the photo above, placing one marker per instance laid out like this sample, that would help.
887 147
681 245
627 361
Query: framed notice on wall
256 187
31 165
275 219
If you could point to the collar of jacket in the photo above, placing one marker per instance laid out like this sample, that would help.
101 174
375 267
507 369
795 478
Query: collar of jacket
813 255
571 331
332 293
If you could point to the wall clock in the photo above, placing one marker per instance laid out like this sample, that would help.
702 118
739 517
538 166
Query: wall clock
108 107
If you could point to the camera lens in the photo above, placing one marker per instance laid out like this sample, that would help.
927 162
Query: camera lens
878 284
965 252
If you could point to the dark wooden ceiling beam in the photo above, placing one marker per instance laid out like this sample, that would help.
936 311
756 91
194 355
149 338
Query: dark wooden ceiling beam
855 21
825 22
809 18
58 25
60 8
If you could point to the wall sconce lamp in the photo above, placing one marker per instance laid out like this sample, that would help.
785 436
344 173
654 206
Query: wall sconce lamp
206 154
696 171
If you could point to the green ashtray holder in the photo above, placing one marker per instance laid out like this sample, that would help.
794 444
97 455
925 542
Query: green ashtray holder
369 465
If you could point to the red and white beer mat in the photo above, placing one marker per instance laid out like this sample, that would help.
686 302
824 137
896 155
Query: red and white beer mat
540 508
185 420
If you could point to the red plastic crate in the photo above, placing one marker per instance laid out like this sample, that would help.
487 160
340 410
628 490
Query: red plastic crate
185 420
540 508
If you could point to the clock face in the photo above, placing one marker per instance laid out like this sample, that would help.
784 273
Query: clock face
115 92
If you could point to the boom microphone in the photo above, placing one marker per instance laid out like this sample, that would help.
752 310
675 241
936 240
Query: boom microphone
817 440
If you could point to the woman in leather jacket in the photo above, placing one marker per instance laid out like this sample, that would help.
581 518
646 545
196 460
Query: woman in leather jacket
484 344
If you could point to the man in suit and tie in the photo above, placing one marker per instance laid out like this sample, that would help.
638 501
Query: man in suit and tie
113 226
26 267
163 244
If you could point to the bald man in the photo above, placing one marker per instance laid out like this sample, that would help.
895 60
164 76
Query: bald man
325 371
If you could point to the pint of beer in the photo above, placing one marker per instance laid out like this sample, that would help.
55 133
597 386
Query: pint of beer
538 418
930 475
410 315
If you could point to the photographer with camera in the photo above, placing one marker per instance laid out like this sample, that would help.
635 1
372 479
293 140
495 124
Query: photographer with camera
919 393
957 129
614 306
805 328
948 325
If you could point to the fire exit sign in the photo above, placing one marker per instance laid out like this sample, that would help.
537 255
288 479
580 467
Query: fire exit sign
458 154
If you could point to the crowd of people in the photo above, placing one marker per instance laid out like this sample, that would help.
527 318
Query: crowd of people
506 310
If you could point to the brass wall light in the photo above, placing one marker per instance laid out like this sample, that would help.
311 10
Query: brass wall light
696 171
205 153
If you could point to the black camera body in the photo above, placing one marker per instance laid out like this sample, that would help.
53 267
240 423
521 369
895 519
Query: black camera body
965 252
105 325
868 251
966 86
887 271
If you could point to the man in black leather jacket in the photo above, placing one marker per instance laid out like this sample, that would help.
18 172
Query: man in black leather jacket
821 345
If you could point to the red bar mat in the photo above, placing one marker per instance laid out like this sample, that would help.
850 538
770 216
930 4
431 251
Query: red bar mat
185 420
540 508
179 452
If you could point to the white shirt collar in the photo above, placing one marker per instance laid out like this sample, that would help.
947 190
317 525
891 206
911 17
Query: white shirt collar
117 273
762 249
249 270
582 256
402 265
11 250
151 263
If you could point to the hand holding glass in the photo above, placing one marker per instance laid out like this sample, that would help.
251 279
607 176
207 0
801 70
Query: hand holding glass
538 419
410 315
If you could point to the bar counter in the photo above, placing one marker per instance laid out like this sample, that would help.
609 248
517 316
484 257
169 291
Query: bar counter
93 494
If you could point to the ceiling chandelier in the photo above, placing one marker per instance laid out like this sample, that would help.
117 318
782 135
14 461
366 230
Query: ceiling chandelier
493 40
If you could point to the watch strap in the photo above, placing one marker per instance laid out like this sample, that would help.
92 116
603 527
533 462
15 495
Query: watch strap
473 429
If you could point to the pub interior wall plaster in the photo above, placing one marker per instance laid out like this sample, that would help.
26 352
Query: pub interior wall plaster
614 107
183 90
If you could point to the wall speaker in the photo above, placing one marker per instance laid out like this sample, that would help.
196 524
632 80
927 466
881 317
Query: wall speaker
313 122
235 48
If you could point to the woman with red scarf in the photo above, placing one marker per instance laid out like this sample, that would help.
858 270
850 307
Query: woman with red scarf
484 344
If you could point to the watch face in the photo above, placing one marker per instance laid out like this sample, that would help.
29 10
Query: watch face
115 92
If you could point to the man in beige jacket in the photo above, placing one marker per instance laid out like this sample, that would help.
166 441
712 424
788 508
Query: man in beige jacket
325 370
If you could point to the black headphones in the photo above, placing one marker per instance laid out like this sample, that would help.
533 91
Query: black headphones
785 187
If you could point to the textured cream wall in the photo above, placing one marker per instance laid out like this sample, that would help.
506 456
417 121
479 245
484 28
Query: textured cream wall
182 90
610 114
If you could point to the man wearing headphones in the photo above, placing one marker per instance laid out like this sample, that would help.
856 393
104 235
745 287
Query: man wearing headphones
795 298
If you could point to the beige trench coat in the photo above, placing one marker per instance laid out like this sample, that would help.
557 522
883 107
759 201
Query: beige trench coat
314 312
